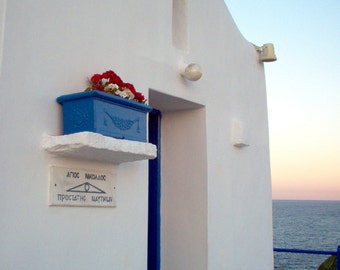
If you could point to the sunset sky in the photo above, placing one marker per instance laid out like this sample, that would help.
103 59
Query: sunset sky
303 91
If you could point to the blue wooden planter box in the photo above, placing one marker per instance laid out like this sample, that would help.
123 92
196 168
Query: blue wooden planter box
106 114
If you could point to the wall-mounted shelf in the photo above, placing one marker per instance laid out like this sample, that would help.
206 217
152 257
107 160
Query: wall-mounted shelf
96 147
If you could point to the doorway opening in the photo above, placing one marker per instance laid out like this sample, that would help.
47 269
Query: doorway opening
177 232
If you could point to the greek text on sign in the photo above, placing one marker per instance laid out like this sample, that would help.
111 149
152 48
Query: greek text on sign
73 187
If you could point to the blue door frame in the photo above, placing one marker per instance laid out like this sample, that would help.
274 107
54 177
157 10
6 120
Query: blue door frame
154 218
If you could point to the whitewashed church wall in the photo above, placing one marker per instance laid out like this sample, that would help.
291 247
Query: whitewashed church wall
49 49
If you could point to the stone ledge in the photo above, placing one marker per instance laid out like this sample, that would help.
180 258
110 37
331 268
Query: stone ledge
96 147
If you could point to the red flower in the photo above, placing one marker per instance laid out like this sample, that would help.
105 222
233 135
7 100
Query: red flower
113 77
130 87
139 96
99 87
96 78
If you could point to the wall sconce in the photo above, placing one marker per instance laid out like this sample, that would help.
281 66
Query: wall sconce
267 53
238 135
192 72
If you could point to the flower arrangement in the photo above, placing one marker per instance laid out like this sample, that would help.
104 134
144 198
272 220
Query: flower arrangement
111 83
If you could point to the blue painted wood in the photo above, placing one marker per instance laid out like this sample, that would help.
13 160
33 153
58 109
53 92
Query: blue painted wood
103 113
154 219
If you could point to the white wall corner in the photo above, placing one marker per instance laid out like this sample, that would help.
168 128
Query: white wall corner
2 28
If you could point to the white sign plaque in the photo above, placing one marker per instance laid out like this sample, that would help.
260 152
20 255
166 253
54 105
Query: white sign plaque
73 187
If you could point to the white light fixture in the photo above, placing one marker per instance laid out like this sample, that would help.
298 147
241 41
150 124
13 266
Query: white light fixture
267 53
238 134
192 72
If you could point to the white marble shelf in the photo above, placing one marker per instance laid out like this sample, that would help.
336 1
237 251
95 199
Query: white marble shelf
96 147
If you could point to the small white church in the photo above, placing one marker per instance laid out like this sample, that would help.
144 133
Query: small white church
194 194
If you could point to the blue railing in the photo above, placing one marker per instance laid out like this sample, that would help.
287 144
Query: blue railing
307 251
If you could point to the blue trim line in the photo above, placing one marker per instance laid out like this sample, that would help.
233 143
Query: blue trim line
154 219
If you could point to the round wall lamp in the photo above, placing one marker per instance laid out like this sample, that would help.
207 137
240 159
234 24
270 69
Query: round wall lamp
192 72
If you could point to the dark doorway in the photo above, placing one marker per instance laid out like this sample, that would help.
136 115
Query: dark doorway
154 218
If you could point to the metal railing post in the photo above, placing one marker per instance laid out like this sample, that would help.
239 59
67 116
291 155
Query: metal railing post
338 258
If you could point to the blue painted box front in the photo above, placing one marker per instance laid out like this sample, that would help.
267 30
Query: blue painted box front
106 114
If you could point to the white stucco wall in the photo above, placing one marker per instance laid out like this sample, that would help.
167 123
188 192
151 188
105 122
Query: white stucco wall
49 48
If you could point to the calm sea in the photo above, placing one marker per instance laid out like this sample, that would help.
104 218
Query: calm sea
305 225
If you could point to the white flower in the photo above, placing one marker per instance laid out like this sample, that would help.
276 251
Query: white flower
126 93
112 86
104 81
